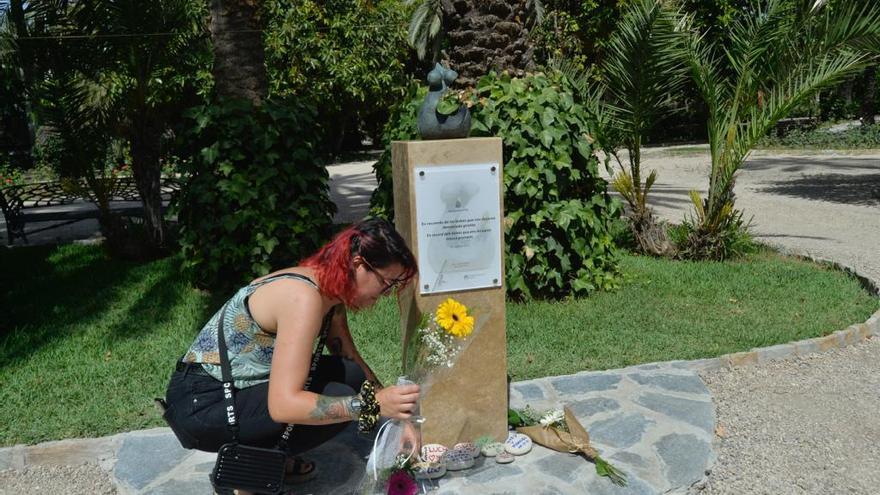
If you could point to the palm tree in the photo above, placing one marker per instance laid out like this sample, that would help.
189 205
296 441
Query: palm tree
779 54
481 36
239 60
637 78
150 52
113 67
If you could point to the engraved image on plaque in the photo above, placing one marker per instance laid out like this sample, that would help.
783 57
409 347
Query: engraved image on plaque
459 227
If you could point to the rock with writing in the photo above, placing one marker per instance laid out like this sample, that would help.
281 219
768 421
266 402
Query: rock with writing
458 459
433 452
518 444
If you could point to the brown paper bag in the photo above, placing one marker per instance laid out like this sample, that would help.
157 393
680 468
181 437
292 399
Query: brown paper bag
575 441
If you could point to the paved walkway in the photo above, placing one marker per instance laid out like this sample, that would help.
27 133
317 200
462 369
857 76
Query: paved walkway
656 422
351 185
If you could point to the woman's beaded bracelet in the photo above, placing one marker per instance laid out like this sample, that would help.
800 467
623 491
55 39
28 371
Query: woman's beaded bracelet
369 416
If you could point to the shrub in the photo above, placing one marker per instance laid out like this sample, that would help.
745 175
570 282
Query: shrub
729 240
254 198
864 137
559 219
401 126
347 57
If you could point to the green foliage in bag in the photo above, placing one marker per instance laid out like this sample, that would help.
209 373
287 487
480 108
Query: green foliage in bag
255 198
560 222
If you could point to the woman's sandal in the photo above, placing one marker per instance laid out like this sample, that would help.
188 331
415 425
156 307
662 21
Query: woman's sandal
299 470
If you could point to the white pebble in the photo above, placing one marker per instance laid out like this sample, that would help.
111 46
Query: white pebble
470 447
429 470
433 452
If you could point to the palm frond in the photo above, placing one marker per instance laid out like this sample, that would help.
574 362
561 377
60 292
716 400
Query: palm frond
424 25
779 54
641 68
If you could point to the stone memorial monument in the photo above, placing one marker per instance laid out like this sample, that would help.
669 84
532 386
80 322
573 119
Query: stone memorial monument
448 207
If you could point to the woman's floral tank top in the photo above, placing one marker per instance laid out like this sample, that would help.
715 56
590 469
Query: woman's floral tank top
250 347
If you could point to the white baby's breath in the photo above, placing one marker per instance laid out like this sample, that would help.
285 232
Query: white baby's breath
551 418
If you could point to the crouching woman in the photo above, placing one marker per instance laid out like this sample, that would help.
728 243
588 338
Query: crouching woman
270 330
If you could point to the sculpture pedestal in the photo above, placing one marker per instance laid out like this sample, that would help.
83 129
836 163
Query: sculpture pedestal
471 401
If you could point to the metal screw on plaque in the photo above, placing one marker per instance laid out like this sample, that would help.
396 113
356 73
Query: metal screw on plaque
493 169
426 286
495 281
422 173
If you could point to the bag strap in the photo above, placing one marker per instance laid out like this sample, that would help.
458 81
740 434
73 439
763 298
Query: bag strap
228 382
226 373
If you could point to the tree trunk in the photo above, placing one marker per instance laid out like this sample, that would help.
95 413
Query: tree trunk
488 35
147 174
239 62
868 96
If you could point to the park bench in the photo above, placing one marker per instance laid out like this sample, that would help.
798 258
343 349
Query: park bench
65 202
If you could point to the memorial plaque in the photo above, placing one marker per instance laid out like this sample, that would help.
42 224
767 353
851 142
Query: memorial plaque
458 218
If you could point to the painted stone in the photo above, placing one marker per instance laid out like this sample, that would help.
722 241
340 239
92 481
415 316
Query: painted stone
518 444
470 447
504 458
429 470
492 449
458 459
433 452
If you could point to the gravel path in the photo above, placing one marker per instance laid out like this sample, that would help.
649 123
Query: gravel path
85 479
824 204
800 426
807 425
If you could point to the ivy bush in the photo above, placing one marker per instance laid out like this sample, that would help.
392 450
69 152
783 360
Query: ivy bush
255 198
560 222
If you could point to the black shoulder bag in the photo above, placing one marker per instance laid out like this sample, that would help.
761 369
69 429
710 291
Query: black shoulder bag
241 466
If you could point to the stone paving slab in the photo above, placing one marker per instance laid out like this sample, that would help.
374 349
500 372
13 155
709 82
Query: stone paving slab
654 422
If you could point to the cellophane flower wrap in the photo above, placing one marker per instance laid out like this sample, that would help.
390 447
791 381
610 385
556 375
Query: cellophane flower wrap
430 354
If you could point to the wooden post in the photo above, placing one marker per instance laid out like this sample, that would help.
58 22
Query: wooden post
471 402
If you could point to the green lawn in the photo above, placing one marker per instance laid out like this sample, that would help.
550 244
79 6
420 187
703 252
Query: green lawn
87 342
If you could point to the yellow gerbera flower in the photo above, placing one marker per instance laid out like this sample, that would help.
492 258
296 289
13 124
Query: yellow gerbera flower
452 316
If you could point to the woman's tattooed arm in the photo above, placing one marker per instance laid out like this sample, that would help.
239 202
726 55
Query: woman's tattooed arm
332 409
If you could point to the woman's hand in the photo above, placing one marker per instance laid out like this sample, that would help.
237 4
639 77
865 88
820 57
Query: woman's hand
409 439
398 401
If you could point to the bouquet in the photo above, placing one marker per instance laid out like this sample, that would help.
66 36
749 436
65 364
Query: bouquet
438 341
561 431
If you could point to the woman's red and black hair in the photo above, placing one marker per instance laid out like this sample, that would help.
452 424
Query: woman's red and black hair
373 239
